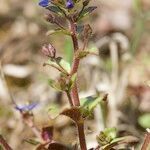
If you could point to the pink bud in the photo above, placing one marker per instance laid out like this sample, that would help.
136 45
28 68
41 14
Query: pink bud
49 51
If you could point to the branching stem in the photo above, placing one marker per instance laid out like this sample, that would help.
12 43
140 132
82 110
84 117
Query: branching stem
74 91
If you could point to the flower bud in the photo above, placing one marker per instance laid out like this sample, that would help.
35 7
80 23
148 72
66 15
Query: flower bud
49 51
50 18
69 4
86 2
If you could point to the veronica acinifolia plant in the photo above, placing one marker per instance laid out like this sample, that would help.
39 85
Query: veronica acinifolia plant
72 11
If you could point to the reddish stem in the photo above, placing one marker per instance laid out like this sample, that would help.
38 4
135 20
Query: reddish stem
4 143
146 142
74 91
69 98
76 61
81 137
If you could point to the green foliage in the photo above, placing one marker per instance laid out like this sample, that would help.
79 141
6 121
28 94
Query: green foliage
58 31
118 141
87 11
144 120
68 49
64 64
53 110
59 86
32 142
55 10
88 104
107 139
60 63
63 84
81 54
106 136
72 81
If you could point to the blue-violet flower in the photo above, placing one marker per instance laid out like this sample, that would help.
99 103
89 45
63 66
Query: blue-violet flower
27 107
43 3
69 4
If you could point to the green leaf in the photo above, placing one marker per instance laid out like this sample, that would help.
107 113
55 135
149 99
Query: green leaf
81 54
88 104
119 141
68 50
58 85
87 11
55 10
53 110
56 31
72 81
144 120
54 85
106 136
64 64
61 64
111 133
32 141
93 49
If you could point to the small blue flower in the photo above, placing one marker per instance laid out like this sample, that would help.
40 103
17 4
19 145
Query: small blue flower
27 107
43 3
69 4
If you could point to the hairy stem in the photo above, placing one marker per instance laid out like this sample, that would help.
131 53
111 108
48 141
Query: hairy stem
81 136
74 91
4 143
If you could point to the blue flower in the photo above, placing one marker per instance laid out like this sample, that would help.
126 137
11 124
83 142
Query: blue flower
26 107
43 3
69 4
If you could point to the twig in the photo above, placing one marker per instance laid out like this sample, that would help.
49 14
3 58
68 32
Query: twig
4 143
146 141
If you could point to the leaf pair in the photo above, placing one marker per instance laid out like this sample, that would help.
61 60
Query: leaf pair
63 83
107 139
60 64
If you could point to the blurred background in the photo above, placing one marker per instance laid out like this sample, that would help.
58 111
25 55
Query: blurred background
121 34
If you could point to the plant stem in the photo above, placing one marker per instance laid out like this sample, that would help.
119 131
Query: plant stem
81 136
69 98
4 143
74 91
146 141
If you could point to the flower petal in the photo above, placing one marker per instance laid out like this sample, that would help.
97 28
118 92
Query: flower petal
69 4
43 3
27 107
